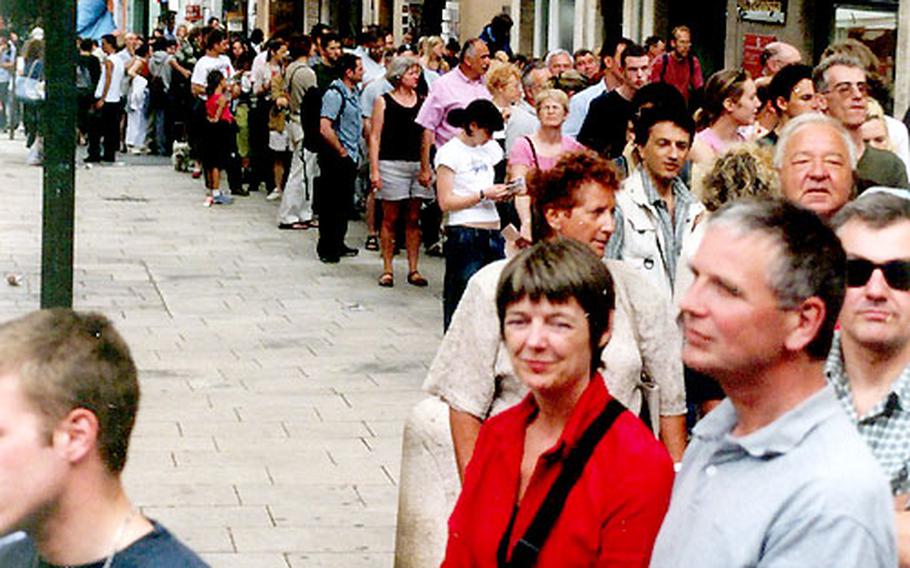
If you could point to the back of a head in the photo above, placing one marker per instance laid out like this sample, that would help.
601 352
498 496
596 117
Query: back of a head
611 44
560 270
299 46
810 261
256 36
66 360
743 171
854 48
658 95
481 112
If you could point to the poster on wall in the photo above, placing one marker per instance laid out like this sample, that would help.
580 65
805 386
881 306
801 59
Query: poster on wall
753 45
764 11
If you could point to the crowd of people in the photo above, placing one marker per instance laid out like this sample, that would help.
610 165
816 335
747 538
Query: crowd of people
738 229
707 275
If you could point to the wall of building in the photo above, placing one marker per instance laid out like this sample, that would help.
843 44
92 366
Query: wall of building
799 29
475 14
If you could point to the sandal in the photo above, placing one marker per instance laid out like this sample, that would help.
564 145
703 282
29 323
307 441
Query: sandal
372 243
387 280
415 279
296 226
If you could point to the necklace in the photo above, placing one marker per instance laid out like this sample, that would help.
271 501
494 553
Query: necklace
110 558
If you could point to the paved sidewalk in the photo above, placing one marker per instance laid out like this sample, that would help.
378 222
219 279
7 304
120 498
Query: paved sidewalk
274 387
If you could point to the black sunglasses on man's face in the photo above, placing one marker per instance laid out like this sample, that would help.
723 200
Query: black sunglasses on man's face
896 273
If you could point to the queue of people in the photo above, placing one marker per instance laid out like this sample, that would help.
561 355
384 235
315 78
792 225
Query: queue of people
753 233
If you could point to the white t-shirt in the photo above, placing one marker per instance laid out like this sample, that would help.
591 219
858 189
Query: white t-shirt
473 167
206 65
115 91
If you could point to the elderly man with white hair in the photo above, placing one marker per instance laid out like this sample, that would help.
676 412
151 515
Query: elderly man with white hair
559 61
816 159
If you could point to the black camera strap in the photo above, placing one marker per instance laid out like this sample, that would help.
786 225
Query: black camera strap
528 547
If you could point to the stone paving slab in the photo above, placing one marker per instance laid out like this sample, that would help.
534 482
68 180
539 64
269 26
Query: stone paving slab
274 387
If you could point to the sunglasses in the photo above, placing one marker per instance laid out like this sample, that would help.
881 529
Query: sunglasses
896 273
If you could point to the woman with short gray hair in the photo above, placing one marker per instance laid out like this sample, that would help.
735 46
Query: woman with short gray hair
395 164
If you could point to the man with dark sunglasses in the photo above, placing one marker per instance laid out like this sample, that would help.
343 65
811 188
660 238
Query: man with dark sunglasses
841 82
869 362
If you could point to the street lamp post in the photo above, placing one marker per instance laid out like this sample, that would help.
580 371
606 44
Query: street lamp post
59 128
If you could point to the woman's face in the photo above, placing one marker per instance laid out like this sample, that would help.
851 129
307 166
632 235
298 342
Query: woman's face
181 31
411 77
875 134
549 344
551 113
746 108
590 220
438 50
237 49
512 91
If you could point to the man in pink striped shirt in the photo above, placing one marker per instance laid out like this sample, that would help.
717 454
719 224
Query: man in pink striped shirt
453 90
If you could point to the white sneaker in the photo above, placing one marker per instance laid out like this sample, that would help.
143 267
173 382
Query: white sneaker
275 195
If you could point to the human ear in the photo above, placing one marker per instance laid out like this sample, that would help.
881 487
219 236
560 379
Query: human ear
782 104
76 435
555 218
807 320
729 104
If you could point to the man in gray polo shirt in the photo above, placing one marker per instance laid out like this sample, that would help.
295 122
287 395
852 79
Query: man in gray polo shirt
776 475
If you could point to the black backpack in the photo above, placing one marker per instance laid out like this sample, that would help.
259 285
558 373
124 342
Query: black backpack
84 84
157 92
311 115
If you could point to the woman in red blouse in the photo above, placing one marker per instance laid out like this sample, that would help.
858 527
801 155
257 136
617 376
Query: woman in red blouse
555 303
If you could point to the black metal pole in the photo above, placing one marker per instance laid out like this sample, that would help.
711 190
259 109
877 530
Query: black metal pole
58 123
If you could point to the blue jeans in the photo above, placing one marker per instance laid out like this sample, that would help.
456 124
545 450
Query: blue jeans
467 250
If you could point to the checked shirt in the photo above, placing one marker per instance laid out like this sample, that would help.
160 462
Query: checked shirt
886 427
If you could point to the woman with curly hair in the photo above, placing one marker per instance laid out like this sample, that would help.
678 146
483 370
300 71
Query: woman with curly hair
471 378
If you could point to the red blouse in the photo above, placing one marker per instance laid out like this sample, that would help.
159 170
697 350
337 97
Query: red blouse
611 516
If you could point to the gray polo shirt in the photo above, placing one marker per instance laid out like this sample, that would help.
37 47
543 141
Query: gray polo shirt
802 491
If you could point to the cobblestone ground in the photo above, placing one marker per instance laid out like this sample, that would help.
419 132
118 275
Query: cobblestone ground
274 387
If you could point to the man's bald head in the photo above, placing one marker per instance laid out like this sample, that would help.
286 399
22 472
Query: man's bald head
778 54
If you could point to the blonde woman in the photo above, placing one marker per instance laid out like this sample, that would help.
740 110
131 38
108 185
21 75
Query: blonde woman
729 110
431 59
875 130
542 149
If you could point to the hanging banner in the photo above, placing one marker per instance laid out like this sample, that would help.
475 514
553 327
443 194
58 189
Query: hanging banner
765 11
753 45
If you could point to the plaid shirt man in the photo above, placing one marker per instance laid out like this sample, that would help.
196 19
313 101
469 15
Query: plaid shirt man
886 427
